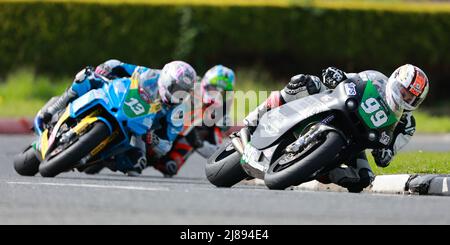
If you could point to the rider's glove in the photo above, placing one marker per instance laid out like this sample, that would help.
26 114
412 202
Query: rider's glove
300 81
313 85
332 76
151 139
86 73
382 157
407 124
104 70
158 146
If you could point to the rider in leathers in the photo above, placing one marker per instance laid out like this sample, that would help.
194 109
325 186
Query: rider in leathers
155 86
405 90
204 139
214 95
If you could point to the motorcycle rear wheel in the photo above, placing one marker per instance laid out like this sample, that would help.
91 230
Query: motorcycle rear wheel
27 163
223 168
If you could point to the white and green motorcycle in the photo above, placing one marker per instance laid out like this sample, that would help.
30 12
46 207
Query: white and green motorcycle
306 138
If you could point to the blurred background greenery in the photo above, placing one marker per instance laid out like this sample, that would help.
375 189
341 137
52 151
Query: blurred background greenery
44 43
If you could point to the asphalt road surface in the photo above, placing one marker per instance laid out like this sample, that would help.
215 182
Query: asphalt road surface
112 198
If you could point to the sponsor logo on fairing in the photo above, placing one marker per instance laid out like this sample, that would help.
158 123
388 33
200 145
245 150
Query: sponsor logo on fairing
350 89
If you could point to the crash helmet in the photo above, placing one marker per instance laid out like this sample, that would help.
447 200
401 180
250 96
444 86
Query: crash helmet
407 87
176 82
217 80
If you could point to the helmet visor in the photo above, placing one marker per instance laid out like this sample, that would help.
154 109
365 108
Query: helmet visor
147 90
213 94
403 96
177 93
222 82
407 96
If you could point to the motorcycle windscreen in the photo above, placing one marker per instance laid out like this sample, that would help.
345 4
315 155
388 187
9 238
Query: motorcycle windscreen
278 121
119 88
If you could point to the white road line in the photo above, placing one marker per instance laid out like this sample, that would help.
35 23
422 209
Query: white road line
138 188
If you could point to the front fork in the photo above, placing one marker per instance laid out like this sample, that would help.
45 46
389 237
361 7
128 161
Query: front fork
240 139
309 137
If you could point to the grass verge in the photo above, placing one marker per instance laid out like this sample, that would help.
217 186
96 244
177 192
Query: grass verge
415 163
23 93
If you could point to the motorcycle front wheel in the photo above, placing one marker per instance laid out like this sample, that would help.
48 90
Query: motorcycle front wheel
70 156
294 169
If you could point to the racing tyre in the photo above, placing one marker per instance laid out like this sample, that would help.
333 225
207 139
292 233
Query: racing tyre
223 168
294 169
27 163
70 156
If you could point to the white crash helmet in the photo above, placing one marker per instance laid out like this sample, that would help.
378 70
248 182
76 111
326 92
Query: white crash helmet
176 76
407 87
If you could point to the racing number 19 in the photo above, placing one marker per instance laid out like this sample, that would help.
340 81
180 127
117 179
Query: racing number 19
135 106
370 106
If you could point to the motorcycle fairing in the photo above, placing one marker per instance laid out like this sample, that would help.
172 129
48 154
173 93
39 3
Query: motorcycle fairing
112 97
116 96
46 141
279 120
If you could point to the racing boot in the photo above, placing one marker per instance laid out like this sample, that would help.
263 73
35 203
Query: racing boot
169 164
81 84
167 168
53 106
139 160
131 162
61 102
354 177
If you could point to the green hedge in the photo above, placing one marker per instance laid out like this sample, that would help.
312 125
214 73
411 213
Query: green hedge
63 37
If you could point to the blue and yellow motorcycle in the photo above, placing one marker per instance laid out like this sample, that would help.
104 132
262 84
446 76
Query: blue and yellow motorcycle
93 128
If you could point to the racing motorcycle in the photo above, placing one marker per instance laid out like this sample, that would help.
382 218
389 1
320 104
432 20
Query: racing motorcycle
93 128
306 138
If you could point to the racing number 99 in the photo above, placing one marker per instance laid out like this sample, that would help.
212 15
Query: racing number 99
371 106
